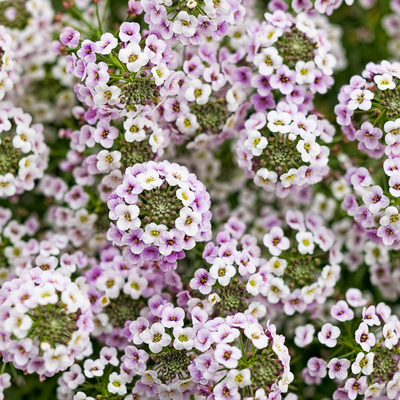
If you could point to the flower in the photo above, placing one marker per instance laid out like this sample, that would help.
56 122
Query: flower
117 384
328 335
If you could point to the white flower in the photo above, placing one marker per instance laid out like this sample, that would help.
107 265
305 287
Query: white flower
235 97
308 147
191 4
305 72
188 221
185 195
106 94
384 81
389 333
55 359
329 275
135 286
187 124
152 232
266 179
183 338
222 7
108 161
254 283
256 309
198 92
360 99
392 128
185 24
391 218
134 129
156 140
236 378
133 57
117 384
306 242
17 324
277 266
267 61
156 337
290 178
6 84
24 138
149 179
127 216
160 73
72 297
374 390
363 363
309 293
326 63
270 35
257 336
222 272
276 290
7 185
255 142
279 121
46 294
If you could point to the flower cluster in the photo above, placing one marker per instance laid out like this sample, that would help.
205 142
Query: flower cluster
371 368
161 210
24 154
46 321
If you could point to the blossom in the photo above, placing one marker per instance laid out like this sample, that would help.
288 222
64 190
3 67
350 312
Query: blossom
276 241
328 335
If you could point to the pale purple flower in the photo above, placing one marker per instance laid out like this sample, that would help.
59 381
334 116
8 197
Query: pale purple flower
365 338
96 74
304 335
317 367
284 80
135 359
338 368
375 199
227 355
356 387
202 281
87 51
328 335
108 355
276 241
361 178
172 317
70 37
130 32
222 391
343 114
342 312
369 135
171 241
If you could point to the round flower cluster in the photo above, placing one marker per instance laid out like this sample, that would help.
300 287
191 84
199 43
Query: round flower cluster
283 144
296 279
161 210
191 21
7 64
234 254
208 357
17 254
23 153
292 51
46 321
119 291
204 110
371 369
